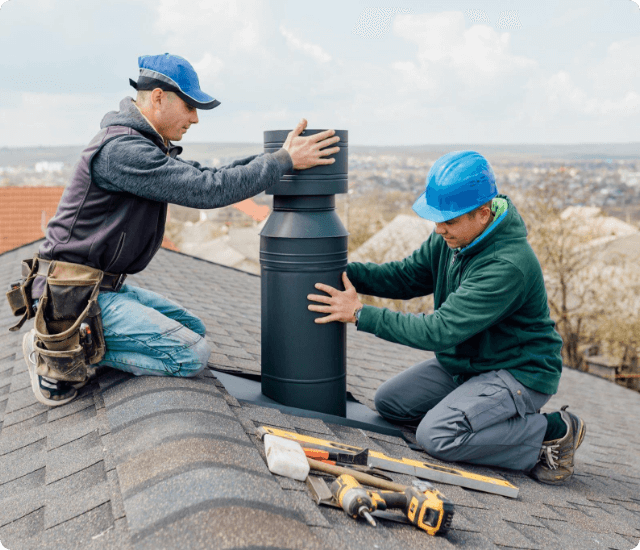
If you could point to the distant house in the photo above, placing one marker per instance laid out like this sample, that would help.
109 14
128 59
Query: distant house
25 213
625 375
239 248
593 225
395 241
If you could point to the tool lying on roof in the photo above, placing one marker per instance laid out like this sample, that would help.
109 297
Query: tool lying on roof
427 510
424 507
331 457
423 470
353 498
285 457
322 495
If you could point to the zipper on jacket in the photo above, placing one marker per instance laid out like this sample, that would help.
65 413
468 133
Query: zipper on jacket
455 255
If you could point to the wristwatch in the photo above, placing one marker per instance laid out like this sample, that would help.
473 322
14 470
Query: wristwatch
356 314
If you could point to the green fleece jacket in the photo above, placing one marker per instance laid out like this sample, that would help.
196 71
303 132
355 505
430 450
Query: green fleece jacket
490 301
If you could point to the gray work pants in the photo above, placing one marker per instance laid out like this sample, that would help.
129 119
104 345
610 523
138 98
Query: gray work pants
491 419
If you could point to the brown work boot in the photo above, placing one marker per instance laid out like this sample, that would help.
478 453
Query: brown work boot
555 463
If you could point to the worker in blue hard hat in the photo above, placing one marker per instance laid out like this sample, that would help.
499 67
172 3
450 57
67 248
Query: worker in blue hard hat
497 353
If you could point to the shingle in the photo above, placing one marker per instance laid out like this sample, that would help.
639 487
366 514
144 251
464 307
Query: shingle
28 526
213 485
12 442
83 401
74 457
117 504
76 483
311 426
22 484
501 533
24 452
27 413
97 398
113 378
20 381
289 484
248 365
579 538
85 414
91 530
6 356
186 453
20 505
63 506
21 399
230 525
4 390
71 431
165 400
15 465
148 432
470 539
221 340
266 416
301 502
135 386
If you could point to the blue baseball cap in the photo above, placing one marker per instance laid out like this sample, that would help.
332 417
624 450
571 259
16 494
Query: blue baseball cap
457 183
172 73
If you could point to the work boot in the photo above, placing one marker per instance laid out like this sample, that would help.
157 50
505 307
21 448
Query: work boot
555 462
48 391
92 374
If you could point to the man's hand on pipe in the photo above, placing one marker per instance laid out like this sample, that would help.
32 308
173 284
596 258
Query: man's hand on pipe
307 152
341 305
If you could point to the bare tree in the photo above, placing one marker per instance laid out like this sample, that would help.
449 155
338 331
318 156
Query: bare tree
578 276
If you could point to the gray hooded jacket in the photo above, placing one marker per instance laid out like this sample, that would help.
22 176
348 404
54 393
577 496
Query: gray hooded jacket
112 214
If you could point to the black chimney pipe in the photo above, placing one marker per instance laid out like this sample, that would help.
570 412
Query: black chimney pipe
303 243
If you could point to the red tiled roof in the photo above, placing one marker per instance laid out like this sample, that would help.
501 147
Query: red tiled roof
25 212
250 208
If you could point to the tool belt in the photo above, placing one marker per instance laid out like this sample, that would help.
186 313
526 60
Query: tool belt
68 324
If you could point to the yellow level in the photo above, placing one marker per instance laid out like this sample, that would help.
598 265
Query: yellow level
417 468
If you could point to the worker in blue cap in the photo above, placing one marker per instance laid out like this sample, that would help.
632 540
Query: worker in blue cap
110 223
497 353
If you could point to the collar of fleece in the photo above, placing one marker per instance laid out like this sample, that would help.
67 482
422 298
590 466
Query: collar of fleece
499 207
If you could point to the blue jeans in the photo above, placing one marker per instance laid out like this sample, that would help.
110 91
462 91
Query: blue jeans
147 334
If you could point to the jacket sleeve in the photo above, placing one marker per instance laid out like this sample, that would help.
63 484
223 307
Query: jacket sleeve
486 297
135 165
400 280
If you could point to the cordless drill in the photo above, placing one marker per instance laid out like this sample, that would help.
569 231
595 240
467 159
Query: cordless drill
354 499
428 510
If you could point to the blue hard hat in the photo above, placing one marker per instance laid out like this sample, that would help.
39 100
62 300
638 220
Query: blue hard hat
172 73
457 183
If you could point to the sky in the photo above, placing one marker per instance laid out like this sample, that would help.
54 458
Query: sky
409 72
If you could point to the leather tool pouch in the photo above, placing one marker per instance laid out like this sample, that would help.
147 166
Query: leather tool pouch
69 334
19 295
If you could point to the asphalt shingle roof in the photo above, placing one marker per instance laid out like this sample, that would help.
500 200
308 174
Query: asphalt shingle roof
175 463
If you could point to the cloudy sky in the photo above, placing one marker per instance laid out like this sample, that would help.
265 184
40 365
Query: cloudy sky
413 72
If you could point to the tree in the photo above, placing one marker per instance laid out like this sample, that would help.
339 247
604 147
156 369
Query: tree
585 287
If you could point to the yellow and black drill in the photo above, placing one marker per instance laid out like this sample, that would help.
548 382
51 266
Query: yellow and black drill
428 510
